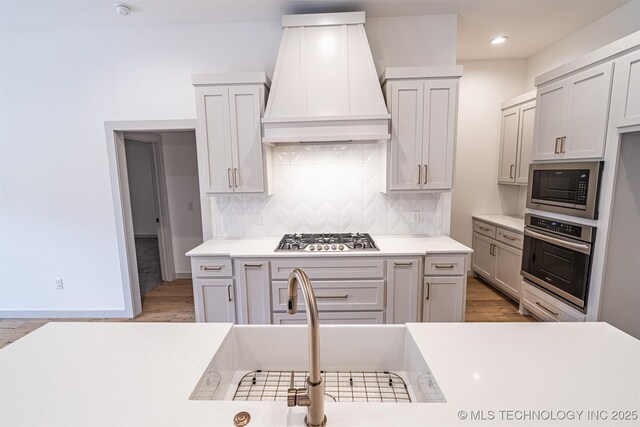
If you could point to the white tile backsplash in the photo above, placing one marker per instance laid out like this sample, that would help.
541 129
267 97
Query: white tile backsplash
327 188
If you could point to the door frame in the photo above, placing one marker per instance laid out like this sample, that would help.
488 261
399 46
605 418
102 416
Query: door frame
115 131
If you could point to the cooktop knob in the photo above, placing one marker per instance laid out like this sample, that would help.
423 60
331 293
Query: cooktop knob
319 247
326 247
333 247
341 247
312 248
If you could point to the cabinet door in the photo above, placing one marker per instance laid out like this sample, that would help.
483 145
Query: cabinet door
405 148
443 299
214 300
508 265
254 295
627 72
248 167
549 124
587 111
484 262
438 133
525 141
216 160
332 318
403 276
508 145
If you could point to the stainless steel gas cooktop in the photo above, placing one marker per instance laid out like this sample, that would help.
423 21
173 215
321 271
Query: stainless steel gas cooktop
327 242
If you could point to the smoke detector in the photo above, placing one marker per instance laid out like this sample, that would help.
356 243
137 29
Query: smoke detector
123 9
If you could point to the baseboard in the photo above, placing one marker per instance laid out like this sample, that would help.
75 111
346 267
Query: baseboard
62 314
183 276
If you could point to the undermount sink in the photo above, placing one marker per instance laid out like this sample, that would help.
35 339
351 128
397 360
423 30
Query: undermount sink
379 363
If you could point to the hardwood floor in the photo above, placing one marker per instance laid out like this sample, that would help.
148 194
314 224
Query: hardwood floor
173 302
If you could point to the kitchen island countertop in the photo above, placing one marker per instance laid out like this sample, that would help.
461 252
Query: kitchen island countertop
388 245
128 374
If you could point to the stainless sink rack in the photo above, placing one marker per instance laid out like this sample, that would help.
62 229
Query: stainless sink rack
340 386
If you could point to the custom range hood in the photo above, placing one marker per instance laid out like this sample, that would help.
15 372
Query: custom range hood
325 87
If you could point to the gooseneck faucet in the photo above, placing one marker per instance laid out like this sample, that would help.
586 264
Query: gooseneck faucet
312 395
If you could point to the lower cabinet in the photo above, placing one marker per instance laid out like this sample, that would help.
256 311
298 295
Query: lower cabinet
214 300
254 296
403 278
441 301
545 307
331 318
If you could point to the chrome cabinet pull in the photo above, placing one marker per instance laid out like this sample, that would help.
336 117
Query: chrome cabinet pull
252 265
557 150
508 237
332 296
492 249
444 266
402 264
419 175
208 268
236 178
483 228
563 140
229 176
428 290
229 292
426 176
511 171
545 308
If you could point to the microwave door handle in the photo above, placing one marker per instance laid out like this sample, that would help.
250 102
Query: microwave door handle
582 248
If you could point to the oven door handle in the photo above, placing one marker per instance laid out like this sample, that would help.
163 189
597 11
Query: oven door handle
582 248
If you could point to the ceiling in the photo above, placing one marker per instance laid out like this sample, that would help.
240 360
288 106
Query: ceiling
531 25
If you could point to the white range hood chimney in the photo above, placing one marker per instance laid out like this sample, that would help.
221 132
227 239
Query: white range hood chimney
325 87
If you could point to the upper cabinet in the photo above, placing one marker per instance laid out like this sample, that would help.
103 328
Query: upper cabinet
231 156
627 81
516 139
423 104
571 122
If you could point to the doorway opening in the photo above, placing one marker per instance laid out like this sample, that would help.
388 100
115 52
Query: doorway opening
158 209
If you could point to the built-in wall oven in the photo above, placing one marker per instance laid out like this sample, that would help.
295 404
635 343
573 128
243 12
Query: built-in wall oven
556 256
566 188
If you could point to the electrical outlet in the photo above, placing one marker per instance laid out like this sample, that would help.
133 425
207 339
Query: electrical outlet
415 217
190 207
59 284
261 220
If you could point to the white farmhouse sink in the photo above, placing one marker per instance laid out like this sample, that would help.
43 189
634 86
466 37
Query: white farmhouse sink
356 354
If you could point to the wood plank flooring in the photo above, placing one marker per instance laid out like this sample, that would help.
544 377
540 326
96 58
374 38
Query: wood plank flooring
173 302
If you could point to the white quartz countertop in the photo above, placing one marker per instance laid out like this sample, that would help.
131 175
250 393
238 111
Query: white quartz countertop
141 374
509 222
388 245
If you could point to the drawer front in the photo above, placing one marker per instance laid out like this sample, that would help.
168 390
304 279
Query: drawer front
211 267
509 237
332 318
336 295
484 228
444 265
330 268
548 308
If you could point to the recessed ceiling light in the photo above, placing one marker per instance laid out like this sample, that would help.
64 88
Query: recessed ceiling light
123 9
499 39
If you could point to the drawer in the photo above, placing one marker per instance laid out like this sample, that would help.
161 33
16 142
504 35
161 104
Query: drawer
546 307
484 228
509 237
332 318
212 267
444 265
335 295
330 268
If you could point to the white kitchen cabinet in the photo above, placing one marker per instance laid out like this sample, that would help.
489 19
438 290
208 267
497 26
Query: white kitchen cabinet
571 118
231 156
214 300
423 106
516 137
544 307
498 257
627 73
332 318
441 299
253 286
403 279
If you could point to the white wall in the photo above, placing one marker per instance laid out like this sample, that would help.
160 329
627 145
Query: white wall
59 86
611 27
483 87
329 188
183 194
143 207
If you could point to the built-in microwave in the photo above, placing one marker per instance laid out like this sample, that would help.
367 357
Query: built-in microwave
565 188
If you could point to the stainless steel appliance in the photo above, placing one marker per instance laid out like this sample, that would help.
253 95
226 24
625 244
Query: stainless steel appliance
566 188
557 257
327 242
